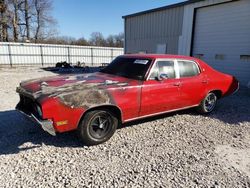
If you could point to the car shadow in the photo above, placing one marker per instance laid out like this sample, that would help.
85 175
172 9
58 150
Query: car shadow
16 131
234 109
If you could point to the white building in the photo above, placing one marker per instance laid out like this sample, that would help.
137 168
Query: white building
217 31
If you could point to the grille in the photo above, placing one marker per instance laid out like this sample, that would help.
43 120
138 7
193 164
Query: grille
28 106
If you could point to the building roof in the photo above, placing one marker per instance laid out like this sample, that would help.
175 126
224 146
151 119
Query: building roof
162 8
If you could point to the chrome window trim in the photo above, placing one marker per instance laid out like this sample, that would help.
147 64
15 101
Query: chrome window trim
176 66
164 59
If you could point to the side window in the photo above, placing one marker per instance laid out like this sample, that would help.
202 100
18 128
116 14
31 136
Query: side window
188 69
163 67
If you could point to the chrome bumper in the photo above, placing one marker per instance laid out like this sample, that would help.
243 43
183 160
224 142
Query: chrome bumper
47 125
238 87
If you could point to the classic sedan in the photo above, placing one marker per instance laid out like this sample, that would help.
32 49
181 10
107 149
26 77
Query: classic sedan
131 87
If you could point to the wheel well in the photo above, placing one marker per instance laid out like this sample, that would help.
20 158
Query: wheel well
114 109
218 93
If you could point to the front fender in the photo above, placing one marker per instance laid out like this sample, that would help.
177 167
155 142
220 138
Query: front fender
64 118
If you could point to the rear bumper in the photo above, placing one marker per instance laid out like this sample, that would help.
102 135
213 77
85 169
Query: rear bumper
47 125
237 89
233 87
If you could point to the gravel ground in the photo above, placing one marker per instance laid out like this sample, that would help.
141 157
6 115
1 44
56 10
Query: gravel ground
181 149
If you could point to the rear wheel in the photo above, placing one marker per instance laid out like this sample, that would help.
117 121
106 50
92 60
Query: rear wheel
208 104
97 127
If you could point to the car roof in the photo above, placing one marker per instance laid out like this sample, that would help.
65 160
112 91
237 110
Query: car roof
159 56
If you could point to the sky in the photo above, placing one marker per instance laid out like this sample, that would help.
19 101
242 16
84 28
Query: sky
79 18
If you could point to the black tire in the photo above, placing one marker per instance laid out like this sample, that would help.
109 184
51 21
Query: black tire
97 127
208 104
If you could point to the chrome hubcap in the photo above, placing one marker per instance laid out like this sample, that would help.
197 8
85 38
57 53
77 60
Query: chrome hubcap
100 125
210 102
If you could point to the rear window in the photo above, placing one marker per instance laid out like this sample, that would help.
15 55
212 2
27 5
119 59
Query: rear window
188 68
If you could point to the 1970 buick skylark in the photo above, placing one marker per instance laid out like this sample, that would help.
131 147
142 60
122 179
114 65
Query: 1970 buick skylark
131 87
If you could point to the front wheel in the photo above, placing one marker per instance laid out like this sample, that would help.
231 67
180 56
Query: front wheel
208 104
97 127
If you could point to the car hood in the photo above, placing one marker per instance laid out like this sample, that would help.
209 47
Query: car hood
75 90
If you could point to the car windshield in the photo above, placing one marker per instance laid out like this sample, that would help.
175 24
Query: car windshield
134 68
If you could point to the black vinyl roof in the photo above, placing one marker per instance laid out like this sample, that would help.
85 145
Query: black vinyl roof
162 8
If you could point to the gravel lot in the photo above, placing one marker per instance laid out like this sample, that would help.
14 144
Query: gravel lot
181 149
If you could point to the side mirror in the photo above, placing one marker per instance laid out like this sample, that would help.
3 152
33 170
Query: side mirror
162 76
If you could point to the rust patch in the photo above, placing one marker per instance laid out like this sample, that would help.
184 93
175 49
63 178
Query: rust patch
80 94
86 98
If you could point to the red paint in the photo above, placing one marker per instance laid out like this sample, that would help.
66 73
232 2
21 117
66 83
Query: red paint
54 110
137 98
158 96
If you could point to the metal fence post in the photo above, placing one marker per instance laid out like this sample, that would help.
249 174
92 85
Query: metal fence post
92 57
10 56
112 54
41 50
69 55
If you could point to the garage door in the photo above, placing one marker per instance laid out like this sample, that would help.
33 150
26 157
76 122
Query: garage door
222 38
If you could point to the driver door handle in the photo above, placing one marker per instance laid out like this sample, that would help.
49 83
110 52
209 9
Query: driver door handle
204 81
177 84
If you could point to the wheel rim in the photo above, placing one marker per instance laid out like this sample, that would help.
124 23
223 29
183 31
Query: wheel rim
210 102
101 125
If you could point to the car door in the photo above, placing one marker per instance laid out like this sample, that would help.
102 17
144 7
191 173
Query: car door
192 83
160 92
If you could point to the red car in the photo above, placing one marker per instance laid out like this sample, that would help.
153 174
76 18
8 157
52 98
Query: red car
130 88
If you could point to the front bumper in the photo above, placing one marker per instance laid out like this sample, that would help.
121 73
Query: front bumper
47 125
28 107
